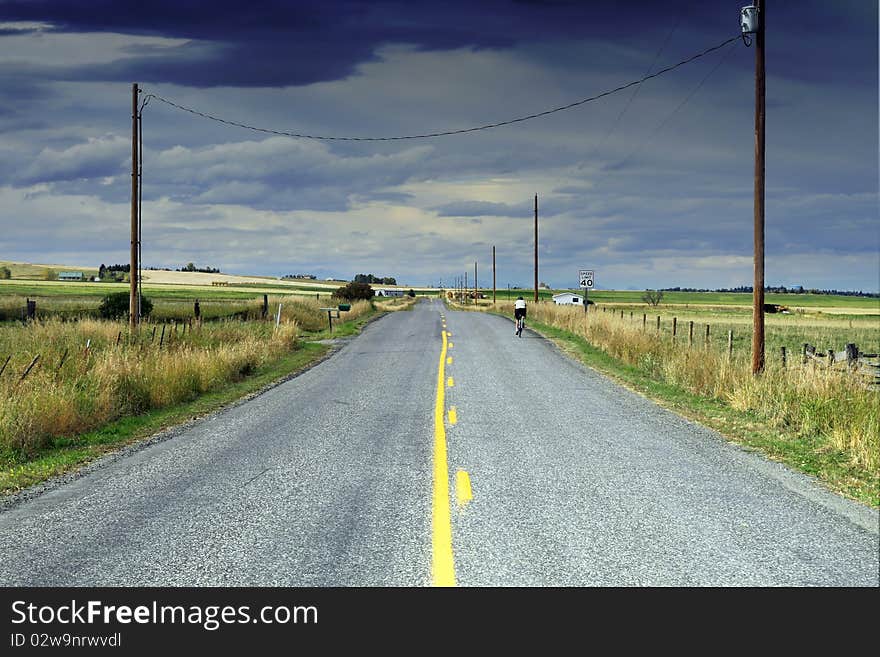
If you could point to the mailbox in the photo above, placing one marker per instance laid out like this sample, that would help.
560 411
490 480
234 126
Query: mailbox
344 306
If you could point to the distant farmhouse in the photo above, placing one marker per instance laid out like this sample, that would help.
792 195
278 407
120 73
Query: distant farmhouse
70 276
567 299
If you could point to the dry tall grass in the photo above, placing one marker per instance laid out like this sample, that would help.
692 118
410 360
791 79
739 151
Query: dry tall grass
109 381
307 313
73 389
803 400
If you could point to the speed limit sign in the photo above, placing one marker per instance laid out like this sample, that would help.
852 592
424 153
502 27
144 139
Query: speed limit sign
585 276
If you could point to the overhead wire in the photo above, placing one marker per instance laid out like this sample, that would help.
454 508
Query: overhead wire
444 133
638 87
684 102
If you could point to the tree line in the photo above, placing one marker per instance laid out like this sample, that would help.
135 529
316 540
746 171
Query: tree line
369 278
777 289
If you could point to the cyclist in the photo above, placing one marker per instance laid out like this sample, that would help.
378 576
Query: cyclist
519 314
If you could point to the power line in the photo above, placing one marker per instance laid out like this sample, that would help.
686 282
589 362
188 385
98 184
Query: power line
447 132
666 120
638 88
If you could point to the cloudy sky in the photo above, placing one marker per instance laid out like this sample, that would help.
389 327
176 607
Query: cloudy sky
650 187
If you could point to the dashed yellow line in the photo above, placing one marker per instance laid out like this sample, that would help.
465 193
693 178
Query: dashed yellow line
450 383
453 416
442 562
449 360
463 492
451 345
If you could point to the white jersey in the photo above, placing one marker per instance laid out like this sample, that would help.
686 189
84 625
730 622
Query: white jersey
519 303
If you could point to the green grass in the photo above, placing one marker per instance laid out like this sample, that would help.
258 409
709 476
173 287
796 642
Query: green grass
634 297
98 290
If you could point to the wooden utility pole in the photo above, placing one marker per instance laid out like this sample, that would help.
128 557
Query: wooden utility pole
476 287
536 248
758 295
133 305
466 288
493 275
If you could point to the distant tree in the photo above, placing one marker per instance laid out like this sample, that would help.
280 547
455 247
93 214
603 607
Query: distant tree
389 280
50 275
412 293
354 291
115 306
102 271
653 297
5 273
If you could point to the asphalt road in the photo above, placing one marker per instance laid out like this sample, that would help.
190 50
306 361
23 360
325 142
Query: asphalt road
327 480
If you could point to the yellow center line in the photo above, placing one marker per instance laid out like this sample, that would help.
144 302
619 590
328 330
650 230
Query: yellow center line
450 383
442 563
453 415
451 345
463 492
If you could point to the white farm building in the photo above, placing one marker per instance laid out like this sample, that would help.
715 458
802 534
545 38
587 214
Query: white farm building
385 292
568 299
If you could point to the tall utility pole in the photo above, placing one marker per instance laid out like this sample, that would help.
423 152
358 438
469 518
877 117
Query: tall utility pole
476 287
536 248
493 274
133 305
758 294
464 298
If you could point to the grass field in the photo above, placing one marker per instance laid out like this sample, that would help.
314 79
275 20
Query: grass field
70 300
30 271
814 302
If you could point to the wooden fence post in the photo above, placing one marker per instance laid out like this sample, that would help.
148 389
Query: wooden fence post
197 310
706 339
5 364
691 334
31 309
852 355
118 338
162 337
63 358
804 352
730 344
265 314
782 349
644 321
674 328
658 323
153 335
29 368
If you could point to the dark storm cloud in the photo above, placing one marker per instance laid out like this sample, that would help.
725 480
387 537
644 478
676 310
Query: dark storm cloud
283 43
